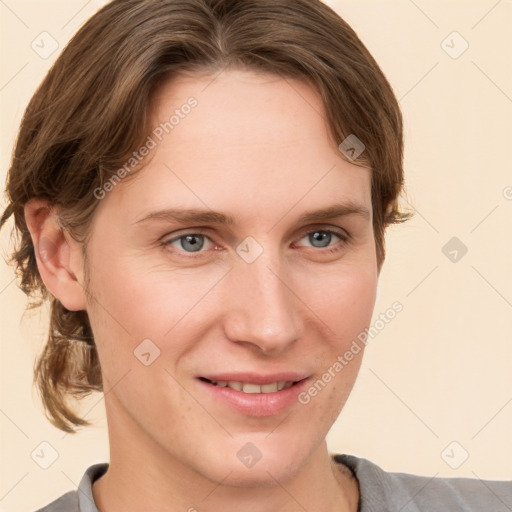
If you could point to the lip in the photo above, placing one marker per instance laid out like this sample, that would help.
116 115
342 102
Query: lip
256 404
256 378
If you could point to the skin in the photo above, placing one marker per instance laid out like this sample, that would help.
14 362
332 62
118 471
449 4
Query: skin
256 147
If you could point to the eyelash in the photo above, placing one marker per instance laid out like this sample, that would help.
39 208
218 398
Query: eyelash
344 237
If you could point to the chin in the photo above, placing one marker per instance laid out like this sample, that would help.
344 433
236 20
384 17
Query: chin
254 461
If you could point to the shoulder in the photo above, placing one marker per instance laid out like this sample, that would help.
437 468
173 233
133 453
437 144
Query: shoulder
413 493
66 503
81 499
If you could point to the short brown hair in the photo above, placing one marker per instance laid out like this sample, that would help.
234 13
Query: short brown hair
91 112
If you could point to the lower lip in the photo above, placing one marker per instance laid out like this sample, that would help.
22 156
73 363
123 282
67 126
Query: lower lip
257 404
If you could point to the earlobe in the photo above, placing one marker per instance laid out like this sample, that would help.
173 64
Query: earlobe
53 248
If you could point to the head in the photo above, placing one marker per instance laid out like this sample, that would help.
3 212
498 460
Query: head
245 110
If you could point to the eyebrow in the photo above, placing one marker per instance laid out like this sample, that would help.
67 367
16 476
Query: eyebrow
196 215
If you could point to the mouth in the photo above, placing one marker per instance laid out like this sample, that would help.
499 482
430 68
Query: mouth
251 387
255 395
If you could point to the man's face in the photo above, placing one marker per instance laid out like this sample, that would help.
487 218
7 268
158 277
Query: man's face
267 302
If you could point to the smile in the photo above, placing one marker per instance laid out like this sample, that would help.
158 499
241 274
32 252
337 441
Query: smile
252 388
256 395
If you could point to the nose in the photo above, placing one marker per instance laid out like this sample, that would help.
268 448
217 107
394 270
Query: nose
263 310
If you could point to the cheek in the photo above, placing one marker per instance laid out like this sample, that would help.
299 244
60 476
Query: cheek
134 303
345 303
345 309
146 301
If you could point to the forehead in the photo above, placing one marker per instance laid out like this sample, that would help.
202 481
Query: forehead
247 102
250 141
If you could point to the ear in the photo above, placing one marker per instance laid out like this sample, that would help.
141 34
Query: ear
59 257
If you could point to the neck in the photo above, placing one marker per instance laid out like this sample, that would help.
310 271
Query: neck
147 477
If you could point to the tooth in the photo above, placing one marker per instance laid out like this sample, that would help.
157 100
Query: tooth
269 388
237 386
248 387
251 388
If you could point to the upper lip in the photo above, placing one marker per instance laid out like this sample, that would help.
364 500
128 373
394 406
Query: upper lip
256 378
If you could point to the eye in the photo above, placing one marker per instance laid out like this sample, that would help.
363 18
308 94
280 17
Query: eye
323 238
190 242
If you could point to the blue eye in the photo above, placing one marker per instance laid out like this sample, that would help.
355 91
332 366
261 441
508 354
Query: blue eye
192 242
322 237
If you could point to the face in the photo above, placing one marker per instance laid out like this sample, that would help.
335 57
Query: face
219 298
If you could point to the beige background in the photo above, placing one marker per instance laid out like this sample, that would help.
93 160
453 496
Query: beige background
441 371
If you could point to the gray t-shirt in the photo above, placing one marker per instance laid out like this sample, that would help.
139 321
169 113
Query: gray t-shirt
379 491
